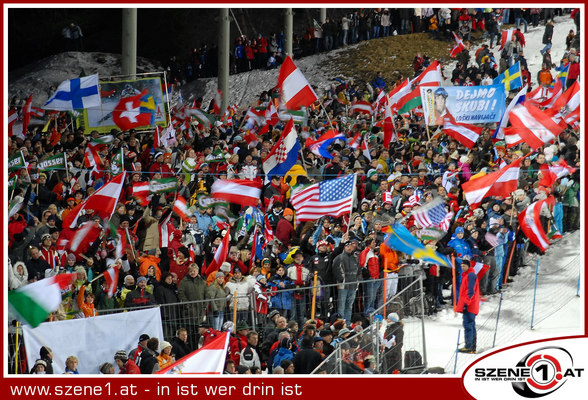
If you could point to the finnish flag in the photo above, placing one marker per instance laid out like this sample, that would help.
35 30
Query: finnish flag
76 94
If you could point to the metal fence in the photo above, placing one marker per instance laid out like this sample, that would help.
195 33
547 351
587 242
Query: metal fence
540 290
409 305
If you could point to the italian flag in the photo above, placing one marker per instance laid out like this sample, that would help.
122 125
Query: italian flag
35 301
181 208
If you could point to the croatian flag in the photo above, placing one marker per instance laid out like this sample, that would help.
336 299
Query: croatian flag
320 145
76 94
284 154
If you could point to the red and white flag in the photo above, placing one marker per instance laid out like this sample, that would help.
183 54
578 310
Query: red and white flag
531 224
566 109
554 172
216 104
141 193
388 126
209 359
165 230
26 114
466 134
82 236
12 117
295 90
535 127
221 252
253 118
238 191
92 158
181 208
268 232
458 48
111 278
480 269
129 113
355 141
101 201
398 92
500 183
271 114
365 147
506 36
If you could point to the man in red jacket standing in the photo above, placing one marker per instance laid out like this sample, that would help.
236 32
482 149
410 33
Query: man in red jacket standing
469 302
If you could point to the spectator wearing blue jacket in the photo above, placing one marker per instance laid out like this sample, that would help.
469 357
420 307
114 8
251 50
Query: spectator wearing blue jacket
462 249
379 83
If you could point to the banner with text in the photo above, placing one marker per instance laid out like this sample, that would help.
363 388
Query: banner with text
465 104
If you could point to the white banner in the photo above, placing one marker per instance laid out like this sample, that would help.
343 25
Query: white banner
92 340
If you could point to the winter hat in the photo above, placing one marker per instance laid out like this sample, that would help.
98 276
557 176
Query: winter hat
493 221
459 229
121 355
144 336
141 279
260 277
71 257
344 331
164 345
273 313
288 211
371 173
40 362
393 317
225 267
219 274
105 367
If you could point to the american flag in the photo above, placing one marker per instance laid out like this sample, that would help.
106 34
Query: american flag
432 214
333 197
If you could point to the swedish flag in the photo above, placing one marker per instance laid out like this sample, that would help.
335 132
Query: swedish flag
511 78
400 239
562 75
147 106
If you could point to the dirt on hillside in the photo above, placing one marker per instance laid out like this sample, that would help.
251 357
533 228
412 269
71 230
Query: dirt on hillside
393 55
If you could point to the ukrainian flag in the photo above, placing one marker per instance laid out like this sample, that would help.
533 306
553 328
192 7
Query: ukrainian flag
511 78
400 239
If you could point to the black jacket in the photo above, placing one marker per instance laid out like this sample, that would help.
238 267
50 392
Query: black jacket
306 360
180 348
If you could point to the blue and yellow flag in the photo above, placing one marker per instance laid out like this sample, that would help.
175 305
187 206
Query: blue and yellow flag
511 78
400 239
562 75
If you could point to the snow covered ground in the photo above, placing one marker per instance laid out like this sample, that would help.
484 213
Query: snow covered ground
558 311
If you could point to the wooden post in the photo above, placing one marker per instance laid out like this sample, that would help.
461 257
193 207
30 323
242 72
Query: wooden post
235 310
313 307
16 351
384 294
454 283
514 243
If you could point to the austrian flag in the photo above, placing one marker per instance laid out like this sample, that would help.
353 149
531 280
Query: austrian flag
466 134
181 208
500 183
294 88
238 191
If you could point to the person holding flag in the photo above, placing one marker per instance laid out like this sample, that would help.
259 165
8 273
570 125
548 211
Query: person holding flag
469 302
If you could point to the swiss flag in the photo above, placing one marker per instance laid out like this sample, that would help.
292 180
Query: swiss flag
294 88
458 48
129 114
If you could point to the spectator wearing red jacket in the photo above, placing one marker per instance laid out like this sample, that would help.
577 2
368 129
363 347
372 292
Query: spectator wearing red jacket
469 302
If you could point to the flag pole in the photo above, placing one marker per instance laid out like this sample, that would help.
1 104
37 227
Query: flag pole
326 114
16 351
514 243
454 283
312 308
353 196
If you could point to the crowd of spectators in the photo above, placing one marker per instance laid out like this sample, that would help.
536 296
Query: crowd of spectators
414 170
